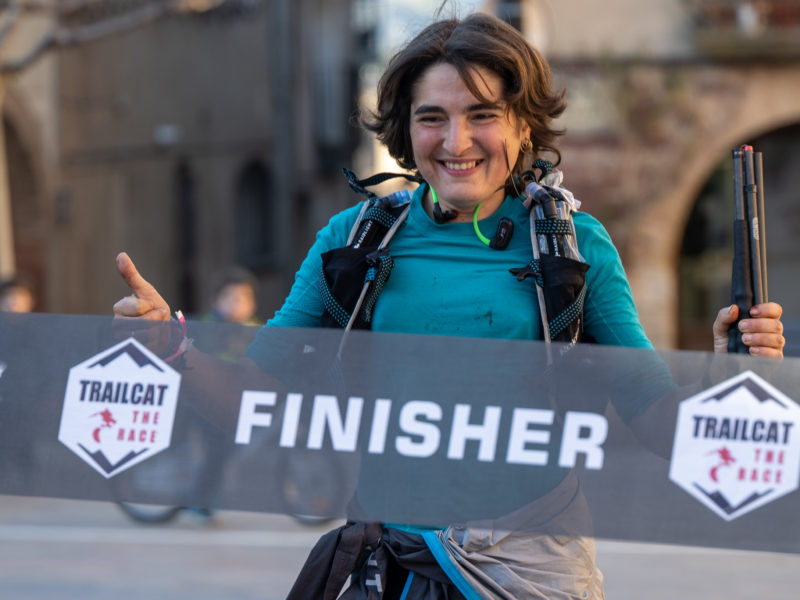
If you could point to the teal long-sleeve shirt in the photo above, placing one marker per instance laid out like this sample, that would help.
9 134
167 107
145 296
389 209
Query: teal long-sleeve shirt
445 281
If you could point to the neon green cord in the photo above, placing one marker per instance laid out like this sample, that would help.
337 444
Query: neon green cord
481 237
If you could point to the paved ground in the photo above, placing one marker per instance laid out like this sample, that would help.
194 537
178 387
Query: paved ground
54 549
59 549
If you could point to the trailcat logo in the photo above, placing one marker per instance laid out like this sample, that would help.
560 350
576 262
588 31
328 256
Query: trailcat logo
119 407
737 446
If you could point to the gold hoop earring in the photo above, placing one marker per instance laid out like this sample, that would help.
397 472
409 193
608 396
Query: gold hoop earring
526 146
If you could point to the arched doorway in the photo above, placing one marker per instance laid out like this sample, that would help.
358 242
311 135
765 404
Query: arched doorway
706 251
27 216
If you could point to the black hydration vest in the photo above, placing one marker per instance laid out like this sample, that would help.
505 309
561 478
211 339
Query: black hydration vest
352 277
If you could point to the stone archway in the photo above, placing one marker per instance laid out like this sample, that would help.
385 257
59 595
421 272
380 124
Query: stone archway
768 100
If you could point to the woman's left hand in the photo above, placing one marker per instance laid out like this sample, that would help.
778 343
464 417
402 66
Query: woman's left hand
762 332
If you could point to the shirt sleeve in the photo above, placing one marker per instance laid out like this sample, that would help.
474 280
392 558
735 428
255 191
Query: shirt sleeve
611 319
610 315
303 306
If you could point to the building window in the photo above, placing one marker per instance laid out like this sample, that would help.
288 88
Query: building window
254 221
510 11
185 237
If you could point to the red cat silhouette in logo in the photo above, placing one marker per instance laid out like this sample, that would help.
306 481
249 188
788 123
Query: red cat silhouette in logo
134 393
726 459
737 446
108 421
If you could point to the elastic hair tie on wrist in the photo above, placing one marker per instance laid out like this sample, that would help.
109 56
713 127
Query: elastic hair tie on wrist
178 344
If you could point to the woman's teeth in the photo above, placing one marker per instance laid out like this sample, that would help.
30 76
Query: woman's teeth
460 166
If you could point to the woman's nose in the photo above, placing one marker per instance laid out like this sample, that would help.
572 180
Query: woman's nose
458 137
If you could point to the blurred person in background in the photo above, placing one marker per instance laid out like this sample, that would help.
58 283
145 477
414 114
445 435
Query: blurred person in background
16 295
234 301
235 298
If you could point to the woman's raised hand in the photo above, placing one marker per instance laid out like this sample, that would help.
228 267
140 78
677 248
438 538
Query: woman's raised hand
762 331
144 302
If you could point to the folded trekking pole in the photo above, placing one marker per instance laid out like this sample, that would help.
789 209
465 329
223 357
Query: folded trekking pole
749 275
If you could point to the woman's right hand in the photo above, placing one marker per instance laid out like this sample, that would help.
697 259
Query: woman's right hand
144 302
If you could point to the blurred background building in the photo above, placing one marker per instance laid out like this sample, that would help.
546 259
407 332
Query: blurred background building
214 134
191 133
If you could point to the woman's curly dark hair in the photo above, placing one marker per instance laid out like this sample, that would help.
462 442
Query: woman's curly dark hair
478 39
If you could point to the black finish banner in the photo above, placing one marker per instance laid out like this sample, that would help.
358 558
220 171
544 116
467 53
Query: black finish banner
677 447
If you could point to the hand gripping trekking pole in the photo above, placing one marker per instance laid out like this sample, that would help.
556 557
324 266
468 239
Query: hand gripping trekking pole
749 273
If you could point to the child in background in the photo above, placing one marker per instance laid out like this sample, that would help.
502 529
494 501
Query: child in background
16 296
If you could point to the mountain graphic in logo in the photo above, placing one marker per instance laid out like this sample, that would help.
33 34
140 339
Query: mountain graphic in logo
101 461
751 386
132 351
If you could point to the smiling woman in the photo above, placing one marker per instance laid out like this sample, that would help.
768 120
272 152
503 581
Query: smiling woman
467 106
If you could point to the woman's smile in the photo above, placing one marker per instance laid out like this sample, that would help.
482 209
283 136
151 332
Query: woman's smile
460 166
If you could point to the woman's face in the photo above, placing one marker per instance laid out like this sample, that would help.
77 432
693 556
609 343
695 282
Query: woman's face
463 146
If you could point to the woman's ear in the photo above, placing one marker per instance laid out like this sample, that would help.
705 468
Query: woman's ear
525 130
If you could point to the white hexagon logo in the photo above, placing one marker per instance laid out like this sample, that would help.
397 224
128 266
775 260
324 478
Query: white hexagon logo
737 446
119 407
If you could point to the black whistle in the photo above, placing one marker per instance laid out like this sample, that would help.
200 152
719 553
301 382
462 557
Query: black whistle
505 229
